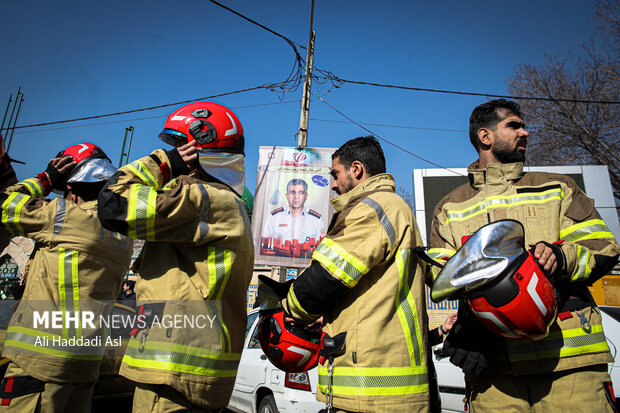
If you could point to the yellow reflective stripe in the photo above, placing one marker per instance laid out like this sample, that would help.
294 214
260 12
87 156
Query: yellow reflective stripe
339 262
159 355
375 381
68 287
142 172
26 338
407 310
504 201
592 229
219 265
565 343
11 211
438 253
583 269
33 186
141 212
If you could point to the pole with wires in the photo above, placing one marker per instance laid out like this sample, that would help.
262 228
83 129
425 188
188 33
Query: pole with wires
302 134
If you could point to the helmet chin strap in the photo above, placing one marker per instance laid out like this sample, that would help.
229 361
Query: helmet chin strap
228 168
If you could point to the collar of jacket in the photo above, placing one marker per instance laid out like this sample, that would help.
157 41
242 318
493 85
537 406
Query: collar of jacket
494 173
376 182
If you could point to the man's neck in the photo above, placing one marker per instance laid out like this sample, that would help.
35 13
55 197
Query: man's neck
297 211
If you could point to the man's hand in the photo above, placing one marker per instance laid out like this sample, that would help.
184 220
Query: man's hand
546 257
58 169
189 154
63 165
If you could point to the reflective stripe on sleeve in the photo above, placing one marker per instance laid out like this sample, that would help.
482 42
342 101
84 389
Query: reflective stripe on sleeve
407 310
33 186
68 288
340 263
583 269
11 211
592 229
376 381
219 264
385 222
141 212
61 211
158 355
142 172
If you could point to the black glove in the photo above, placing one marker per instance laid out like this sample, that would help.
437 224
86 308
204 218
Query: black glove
559 259
469 344
56 178
177 165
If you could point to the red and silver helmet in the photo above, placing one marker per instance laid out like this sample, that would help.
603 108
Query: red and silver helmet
213 126
289 346
92 164
500 281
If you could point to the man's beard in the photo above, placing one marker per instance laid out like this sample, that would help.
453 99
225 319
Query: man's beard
348 185
505 154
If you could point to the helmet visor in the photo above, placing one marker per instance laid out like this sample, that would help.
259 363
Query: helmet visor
173 137
94 170
490 252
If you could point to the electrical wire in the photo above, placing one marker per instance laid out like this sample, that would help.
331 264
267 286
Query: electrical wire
266 86
145 118
454 92
391 126
385 140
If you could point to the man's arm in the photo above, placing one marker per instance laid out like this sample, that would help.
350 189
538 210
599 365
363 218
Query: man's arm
24 211
589 248
137 201
338 264
441 247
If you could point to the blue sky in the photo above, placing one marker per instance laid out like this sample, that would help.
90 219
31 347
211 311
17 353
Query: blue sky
83 58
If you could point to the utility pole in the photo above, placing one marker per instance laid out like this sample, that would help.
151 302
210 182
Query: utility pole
17 104
123 154
302 134
5 112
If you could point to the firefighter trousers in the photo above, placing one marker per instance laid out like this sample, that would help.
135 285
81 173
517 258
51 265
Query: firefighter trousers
22 393
159 398
584 389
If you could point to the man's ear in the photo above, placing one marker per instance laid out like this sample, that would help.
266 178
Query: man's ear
486 136
357 170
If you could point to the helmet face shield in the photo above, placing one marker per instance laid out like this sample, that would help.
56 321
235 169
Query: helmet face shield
94 170
491 251
173 137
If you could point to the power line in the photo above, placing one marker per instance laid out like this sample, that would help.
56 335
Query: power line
390 126
454 92
268 86
144 118
385 140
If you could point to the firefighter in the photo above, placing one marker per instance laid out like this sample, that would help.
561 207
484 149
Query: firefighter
570 242
7 178
197 259
77 267
365 281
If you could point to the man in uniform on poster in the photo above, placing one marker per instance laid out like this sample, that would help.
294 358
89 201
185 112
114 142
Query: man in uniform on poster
295 222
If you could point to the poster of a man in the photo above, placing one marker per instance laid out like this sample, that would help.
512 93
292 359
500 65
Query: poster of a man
291 204
294 230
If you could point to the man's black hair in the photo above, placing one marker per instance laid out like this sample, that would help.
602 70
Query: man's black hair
296 181
88 191
488 115
365 149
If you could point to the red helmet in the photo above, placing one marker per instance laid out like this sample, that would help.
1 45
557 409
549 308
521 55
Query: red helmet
212 125
92 164
289 346
501 282
520 304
